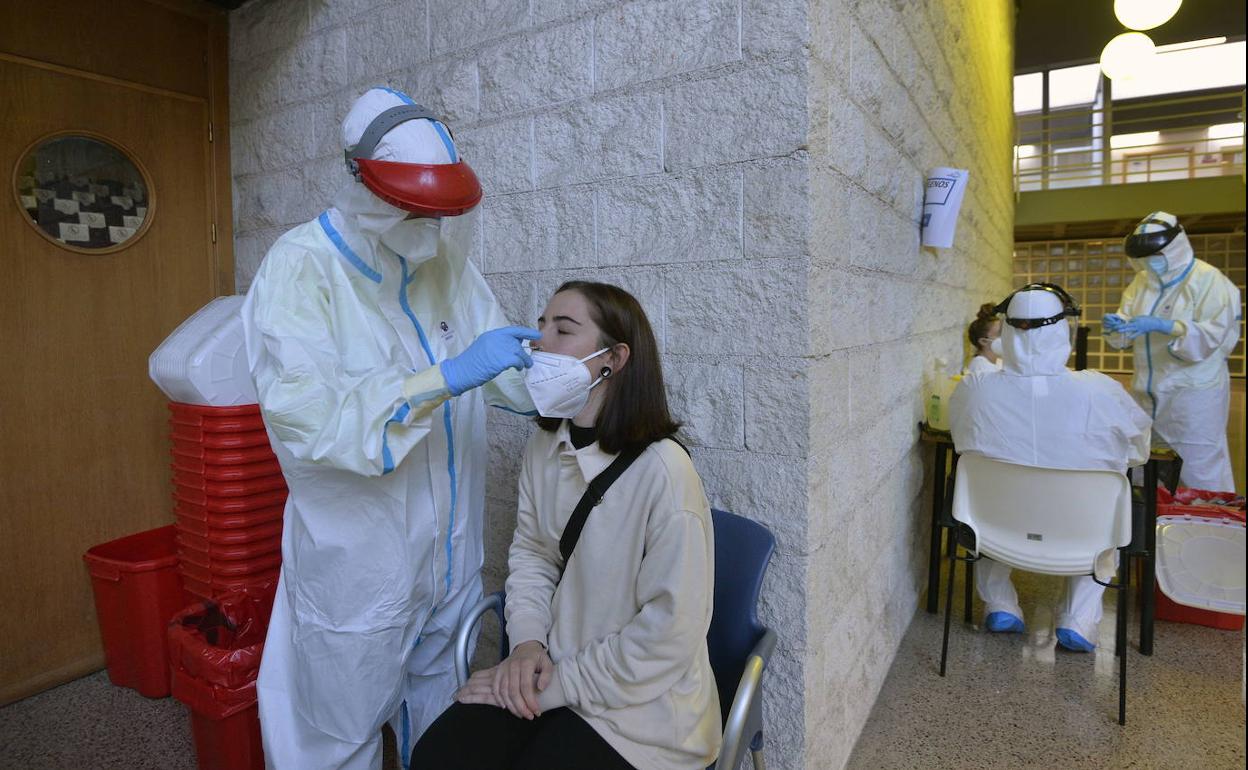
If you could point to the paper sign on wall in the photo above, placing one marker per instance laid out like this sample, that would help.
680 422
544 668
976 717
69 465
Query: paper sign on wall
942 199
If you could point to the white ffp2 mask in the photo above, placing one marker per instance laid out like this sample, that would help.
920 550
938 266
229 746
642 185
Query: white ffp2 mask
559 385
996 347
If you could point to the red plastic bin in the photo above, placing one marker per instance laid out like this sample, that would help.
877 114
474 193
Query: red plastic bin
224 721
1188 502
192 502
190 485
197 457
137 590
206 553
189 468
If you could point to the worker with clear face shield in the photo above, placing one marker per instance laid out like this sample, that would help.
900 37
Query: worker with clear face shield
1181 317
375 345
1038 413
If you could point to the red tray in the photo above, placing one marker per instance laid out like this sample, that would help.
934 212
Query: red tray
241 424
196 469
226 525
194 456
239 568
191 410
218 585
193 504
192 486
206 552
227 536
184 436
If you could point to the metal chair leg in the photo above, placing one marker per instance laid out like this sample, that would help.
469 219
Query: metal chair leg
1124 584
944 645
969 572
1120 630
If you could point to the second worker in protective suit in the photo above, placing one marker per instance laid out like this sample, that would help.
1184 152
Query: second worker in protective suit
1036 412
375 346
1181 316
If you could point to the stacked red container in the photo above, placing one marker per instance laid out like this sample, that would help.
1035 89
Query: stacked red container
229 495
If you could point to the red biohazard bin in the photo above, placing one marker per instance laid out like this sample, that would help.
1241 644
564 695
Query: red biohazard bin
215 650
1197 503
137 590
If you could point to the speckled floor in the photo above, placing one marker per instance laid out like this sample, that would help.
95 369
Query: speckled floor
1015 701
89 724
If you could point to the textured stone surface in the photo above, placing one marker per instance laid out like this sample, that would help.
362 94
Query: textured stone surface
650 39
669 219
549 67
752 172
597 139
707 398
538 231
755 310
709 121
501 154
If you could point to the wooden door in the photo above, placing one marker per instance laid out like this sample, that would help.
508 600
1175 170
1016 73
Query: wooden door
83 447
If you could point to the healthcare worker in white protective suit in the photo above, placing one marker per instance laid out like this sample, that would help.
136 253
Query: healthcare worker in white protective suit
1036 412
1181 315
375 346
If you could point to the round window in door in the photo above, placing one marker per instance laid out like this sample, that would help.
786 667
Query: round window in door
83 192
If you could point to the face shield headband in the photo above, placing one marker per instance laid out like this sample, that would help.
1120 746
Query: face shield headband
1140 244
427 189
1070 308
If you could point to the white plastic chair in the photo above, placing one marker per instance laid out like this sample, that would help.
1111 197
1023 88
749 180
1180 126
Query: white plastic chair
1054 522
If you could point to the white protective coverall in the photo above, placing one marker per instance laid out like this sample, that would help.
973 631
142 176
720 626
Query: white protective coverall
1182 379
1037 412
346 323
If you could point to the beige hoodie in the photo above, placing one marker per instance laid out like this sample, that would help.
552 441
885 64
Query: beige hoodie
626 626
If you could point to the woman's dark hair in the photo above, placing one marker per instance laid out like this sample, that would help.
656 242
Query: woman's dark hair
982 323
634 411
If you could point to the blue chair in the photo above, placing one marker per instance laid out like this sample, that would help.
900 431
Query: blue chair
740 646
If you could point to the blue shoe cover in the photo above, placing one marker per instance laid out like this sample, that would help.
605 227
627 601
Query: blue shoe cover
1073 641
1003 623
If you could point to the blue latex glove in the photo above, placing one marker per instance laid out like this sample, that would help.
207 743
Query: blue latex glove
1146 324
487 357
1113 323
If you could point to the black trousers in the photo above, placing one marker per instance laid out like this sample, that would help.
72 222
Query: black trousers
480 737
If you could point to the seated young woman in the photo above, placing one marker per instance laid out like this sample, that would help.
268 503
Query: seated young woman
608 665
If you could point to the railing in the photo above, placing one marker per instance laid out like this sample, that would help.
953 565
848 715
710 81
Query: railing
1145 140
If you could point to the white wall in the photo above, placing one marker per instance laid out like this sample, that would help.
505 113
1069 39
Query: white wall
751 171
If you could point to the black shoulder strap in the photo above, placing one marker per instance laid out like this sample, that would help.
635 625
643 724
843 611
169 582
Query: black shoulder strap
594 494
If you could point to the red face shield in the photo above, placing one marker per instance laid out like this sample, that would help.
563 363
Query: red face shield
426 189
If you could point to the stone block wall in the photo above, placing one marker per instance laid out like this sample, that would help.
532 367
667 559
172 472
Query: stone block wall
751 171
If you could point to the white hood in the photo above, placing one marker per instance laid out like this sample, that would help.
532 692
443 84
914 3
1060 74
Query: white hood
1178 253
1035 352
367 220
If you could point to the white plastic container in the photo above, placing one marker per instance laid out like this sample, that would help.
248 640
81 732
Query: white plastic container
1200 562
204 360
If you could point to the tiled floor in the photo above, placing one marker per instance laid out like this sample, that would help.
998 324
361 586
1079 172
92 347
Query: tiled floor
1016 701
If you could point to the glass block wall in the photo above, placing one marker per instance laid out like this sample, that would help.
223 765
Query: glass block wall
1095 271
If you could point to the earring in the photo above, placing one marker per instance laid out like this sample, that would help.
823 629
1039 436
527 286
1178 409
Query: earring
606 372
